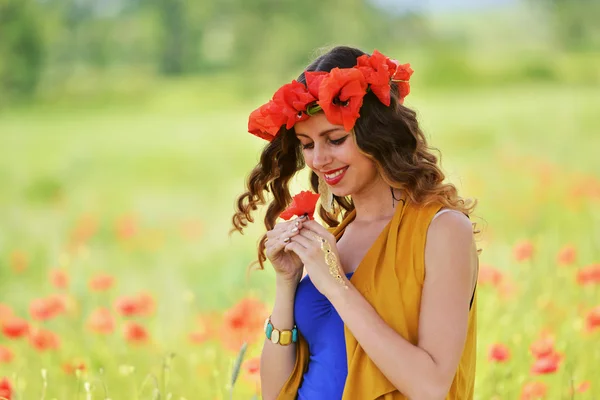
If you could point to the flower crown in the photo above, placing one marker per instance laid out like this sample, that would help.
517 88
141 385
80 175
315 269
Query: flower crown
338 93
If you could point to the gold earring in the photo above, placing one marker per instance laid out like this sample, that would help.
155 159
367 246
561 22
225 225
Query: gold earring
326 196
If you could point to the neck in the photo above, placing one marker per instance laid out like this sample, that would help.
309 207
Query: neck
374 203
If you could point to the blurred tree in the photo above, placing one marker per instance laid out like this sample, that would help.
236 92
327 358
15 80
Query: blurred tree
21 48
575 22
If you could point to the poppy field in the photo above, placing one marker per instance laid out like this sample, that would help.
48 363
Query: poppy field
119 279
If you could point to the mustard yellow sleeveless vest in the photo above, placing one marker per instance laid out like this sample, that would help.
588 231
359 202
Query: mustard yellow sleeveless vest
390 277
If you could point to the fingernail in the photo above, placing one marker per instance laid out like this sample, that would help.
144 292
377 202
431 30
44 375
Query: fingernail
294 230
296 223
303 216
286 240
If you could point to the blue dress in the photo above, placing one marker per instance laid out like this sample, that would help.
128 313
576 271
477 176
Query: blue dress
323 329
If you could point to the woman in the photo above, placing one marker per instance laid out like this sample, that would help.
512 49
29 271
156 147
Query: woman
381 305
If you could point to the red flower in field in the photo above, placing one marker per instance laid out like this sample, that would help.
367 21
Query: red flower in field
589 275
251 368
581 388
44 309
534 390
489 275
592 320
205 329
18 261
567 255
134 332
101 321
59 278
70 367
14 327
547 364
523 250
6 390
146 303
499 352
101 282
5 312
542 347
126 227
42 340
141 304
6 355
84 229
304 202
244 322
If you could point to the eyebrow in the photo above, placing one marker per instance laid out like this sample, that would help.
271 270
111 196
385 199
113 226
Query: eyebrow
325 132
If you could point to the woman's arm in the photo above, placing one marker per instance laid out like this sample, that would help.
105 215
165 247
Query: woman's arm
424 371
277 361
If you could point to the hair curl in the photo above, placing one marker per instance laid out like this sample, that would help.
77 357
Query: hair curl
389 136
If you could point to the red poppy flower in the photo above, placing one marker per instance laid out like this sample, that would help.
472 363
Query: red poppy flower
523 250
313 81
592 320
135 333
6 389
59 278
377 70
70 367
583 387
6 354
14 327
42 340
401 77
304 202
542 347
146 303
244 322
341 95
589 275
101 321
266 121
533 391
489 275
46 308
547 364
101 282
251 368
292 99
566 256
499 352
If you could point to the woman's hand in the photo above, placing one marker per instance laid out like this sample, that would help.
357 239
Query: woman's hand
287 264
307 245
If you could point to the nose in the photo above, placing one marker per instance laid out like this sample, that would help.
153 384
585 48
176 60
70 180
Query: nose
321 157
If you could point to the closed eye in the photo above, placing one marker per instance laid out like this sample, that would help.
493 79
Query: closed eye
336 142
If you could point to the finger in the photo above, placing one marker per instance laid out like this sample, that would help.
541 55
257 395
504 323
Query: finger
305 240
317 228
296 248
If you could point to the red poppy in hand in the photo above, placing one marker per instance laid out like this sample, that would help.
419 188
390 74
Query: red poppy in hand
303 203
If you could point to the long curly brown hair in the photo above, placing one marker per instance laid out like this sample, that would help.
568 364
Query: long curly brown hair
389 135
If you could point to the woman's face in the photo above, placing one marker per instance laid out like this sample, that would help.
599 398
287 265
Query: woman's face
333 155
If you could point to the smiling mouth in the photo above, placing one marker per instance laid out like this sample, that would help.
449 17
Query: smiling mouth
335 177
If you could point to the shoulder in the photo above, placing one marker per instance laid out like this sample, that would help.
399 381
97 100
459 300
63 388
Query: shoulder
450 241
447 222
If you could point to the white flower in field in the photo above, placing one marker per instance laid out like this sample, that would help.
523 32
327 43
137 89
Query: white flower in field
126 370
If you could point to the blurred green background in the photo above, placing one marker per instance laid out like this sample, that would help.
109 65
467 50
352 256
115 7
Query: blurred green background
133 115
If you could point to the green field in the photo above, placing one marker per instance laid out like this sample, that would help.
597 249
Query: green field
144 189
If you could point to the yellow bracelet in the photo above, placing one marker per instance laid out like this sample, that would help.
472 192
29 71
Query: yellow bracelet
282 337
